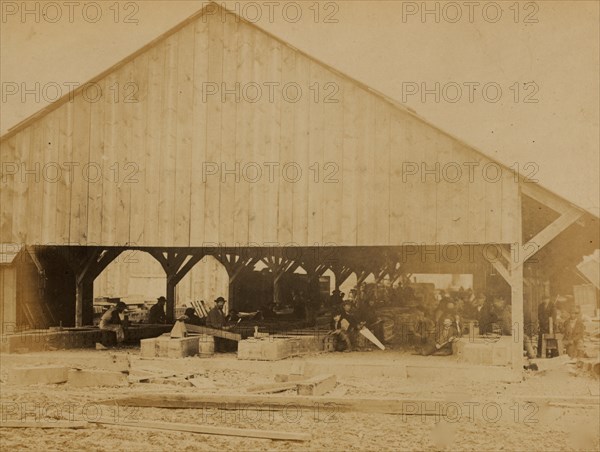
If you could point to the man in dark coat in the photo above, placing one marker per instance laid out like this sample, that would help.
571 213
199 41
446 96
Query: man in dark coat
193 318
157 312
216 316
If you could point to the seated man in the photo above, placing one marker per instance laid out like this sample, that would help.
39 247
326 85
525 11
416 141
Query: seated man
442 346
421 328
193 318
342 331
157 312
111 321
348 313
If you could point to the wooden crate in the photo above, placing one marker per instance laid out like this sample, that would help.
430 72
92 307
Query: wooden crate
165 347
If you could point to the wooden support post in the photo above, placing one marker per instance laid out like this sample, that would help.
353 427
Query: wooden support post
87 268
170 295
79 294
516 287
235 266
84 302
82 272
175 266
279 266
88 302
362 275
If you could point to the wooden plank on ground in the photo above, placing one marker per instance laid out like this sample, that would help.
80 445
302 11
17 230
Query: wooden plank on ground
213 332
47 424
211 430
281 378
274 387
271 402
318 385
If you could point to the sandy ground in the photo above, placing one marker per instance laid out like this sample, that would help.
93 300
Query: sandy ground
473 414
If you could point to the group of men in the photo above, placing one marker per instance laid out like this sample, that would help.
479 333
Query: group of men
568 323
112 319
347 322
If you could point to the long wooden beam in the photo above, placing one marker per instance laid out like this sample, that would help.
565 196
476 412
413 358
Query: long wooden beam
550 232
272 403
543 197
211 430
213 332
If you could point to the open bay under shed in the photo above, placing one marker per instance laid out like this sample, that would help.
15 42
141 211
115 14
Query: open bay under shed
221 137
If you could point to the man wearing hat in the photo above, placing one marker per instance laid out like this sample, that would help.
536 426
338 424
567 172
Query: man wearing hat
216 316
111 321
157 312
442 346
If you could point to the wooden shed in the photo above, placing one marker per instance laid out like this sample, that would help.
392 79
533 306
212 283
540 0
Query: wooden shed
218 136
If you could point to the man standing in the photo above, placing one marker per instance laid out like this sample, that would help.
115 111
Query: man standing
111 321
216 316
546 311
157 312
574 333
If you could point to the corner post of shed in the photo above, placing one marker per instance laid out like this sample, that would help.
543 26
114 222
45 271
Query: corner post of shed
518 327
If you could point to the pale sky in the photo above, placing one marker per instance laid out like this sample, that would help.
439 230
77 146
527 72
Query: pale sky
554 61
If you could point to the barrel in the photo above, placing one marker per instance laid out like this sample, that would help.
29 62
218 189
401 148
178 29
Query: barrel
206 345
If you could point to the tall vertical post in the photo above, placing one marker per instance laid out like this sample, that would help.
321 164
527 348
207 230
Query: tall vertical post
516 287
171 292
79 296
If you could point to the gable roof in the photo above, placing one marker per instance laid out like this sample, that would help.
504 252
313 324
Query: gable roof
394 103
